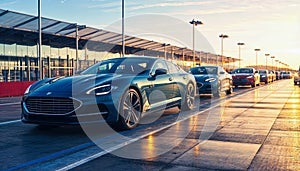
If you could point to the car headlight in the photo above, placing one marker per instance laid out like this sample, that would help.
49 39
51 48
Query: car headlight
210 80
263 76
101 90
251 76
27 90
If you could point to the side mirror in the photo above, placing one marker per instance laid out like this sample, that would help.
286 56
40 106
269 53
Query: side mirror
222 72
160 71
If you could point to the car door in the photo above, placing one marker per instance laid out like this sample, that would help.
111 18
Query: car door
162 89
177 79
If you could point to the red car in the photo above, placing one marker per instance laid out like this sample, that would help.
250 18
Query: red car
245 76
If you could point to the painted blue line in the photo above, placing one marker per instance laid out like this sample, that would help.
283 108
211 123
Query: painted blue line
51 156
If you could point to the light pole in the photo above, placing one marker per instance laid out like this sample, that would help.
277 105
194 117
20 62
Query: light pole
240 44
280 66
222 36
41 75
228 60
276 64
267 60
123 29
165 49
272 57
195 23
256 50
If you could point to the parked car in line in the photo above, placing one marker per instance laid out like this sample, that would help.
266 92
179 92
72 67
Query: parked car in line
212 80
297 78
265 76
245 76
278 75
273 75
119 91
286 75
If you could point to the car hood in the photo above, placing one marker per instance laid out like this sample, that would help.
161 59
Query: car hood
68 86
202 77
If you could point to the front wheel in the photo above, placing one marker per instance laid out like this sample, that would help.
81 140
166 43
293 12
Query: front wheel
229 91
217 92
189 98
130 110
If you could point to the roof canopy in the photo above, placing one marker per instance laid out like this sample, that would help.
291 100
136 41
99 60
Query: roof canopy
22 29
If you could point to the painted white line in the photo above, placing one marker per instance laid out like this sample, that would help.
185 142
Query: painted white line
7 104
9 122
76 156
125 143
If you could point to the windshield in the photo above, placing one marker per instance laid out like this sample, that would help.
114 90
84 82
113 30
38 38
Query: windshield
262 72
242 70
204 70
120 66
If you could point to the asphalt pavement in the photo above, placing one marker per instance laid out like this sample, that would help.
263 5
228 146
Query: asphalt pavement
252 129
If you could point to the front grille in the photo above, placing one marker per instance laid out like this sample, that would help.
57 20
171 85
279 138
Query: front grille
51 105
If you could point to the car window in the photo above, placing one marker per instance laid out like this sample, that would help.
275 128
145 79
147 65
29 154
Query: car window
120 66
173 68
159 64
242 70
262 72
221 70
204 70
131 67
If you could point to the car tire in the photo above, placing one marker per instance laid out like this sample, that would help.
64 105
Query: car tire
218 92
189 98
266 82
230 90
130 110
253 85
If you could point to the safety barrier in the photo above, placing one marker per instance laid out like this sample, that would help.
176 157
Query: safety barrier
8 89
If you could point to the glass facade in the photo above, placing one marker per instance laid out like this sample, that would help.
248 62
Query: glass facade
20 63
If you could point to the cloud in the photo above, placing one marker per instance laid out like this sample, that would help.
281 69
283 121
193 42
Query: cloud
8 3
169 4
105 5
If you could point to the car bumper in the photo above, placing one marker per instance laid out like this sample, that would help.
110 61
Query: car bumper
92 109
264 79
206 88
242 82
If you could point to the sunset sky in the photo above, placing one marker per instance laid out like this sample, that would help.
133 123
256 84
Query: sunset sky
270 25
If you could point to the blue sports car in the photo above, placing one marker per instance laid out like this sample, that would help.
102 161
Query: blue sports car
212 80
119 91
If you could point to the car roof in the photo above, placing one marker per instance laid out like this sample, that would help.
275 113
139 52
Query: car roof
136 57
206 66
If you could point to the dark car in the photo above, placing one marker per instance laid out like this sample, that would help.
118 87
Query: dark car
265 76
119 91
286 75
212 80
278 75
245 76
273 75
